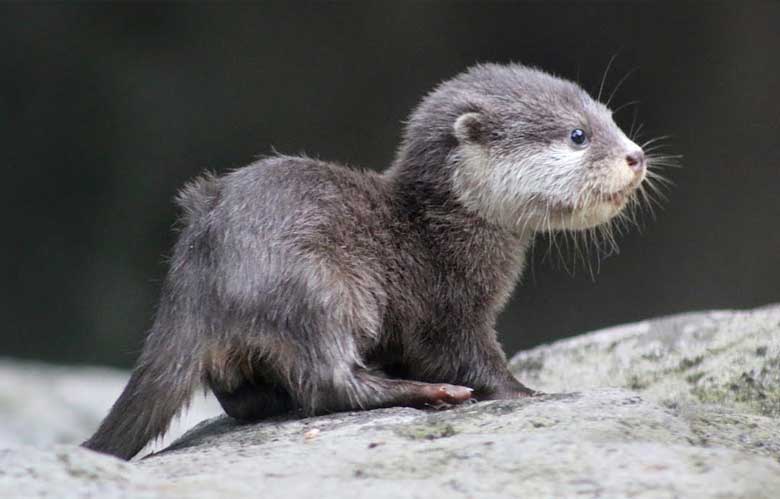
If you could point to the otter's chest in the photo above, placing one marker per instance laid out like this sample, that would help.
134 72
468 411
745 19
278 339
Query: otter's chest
442 293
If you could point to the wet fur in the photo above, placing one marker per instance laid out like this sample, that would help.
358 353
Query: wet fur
301 284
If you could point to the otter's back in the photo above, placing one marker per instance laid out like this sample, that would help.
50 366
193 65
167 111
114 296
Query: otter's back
286 228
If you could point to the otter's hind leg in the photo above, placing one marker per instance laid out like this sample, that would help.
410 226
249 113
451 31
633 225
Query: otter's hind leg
332 384
388 392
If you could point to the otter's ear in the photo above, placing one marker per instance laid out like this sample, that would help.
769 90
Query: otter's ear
471 128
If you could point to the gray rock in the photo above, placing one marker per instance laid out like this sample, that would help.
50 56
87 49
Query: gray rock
631 418
718 369
609 442
724 357
68 471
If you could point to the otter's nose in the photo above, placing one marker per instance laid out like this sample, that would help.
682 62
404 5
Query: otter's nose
636 160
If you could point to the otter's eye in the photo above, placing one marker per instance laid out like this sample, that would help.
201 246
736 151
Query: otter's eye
578 137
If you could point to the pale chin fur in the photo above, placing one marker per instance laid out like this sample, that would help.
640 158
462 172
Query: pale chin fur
541 191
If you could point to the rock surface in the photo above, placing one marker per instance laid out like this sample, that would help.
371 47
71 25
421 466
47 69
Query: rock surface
677 407
42 405
727 358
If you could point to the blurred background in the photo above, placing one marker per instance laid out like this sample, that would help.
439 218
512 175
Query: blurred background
106 110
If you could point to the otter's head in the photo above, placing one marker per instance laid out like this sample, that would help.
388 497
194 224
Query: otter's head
528 149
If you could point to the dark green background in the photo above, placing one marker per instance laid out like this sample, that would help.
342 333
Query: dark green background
105 110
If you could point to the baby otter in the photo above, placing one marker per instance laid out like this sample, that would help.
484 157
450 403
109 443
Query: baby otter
297 284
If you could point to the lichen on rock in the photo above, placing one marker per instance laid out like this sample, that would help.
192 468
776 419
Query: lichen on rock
731 359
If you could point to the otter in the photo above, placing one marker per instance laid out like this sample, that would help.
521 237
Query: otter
302 285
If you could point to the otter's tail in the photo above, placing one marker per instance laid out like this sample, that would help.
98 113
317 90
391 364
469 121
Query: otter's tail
156 392
170 366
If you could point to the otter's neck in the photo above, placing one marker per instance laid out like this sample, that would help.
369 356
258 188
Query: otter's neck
475 254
